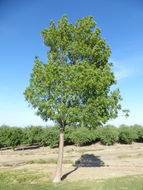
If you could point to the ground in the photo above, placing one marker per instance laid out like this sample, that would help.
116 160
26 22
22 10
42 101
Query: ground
80 163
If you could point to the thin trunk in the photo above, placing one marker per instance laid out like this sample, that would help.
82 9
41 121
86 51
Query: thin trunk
58 173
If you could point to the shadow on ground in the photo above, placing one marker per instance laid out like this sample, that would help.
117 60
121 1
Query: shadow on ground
86 160
89 160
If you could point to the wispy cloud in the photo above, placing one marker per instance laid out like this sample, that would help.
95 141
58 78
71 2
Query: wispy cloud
121 71
128 68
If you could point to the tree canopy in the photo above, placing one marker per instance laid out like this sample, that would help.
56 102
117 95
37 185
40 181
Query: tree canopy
74 86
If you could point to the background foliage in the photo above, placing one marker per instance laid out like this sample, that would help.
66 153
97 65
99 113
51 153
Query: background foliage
49 136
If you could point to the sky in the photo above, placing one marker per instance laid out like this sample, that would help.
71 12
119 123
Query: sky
121 24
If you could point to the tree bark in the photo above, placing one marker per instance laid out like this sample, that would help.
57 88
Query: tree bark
58 173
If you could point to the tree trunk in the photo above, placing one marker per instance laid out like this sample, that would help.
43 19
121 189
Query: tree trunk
58 173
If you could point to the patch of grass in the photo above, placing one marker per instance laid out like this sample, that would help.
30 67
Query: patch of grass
139 155
99 149
21 176
89 150
25 180
123 183
124 156
82 151
30 162
49 161
27 153
70 150
128 156
67 162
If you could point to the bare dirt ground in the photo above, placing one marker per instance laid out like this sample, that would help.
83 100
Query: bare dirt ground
88 162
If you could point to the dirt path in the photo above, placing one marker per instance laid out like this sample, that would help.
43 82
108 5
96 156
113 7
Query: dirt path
90 162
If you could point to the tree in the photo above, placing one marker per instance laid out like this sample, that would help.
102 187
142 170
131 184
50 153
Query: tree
73 88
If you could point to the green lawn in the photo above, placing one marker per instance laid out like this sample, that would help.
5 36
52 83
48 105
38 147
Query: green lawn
26 180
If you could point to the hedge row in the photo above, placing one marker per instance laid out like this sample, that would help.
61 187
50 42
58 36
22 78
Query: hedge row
49 136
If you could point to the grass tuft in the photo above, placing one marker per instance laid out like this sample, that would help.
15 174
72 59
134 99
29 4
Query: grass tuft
49 161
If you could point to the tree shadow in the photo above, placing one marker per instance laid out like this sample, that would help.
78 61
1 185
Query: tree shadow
89 160
86 160
65 175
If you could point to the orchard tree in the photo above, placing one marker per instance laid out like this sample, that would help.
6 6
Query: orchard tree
74 86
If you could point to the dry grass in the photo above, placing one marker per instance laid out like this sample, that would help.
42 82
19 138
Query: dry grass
49 161
119 160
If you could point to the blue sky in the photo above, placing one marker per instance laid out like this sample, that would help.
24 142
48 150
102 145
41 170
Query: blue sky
21 21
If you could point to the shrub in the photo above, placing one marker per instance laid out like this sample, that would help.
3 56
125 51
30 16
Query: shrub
95 134
80 136
51 136
4 136
127 134
138 130
32 135
16 135
68 132
109 135
10 136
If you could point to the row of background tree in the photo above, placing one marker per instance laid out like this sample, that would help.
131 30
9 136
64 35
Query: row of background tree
49 136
